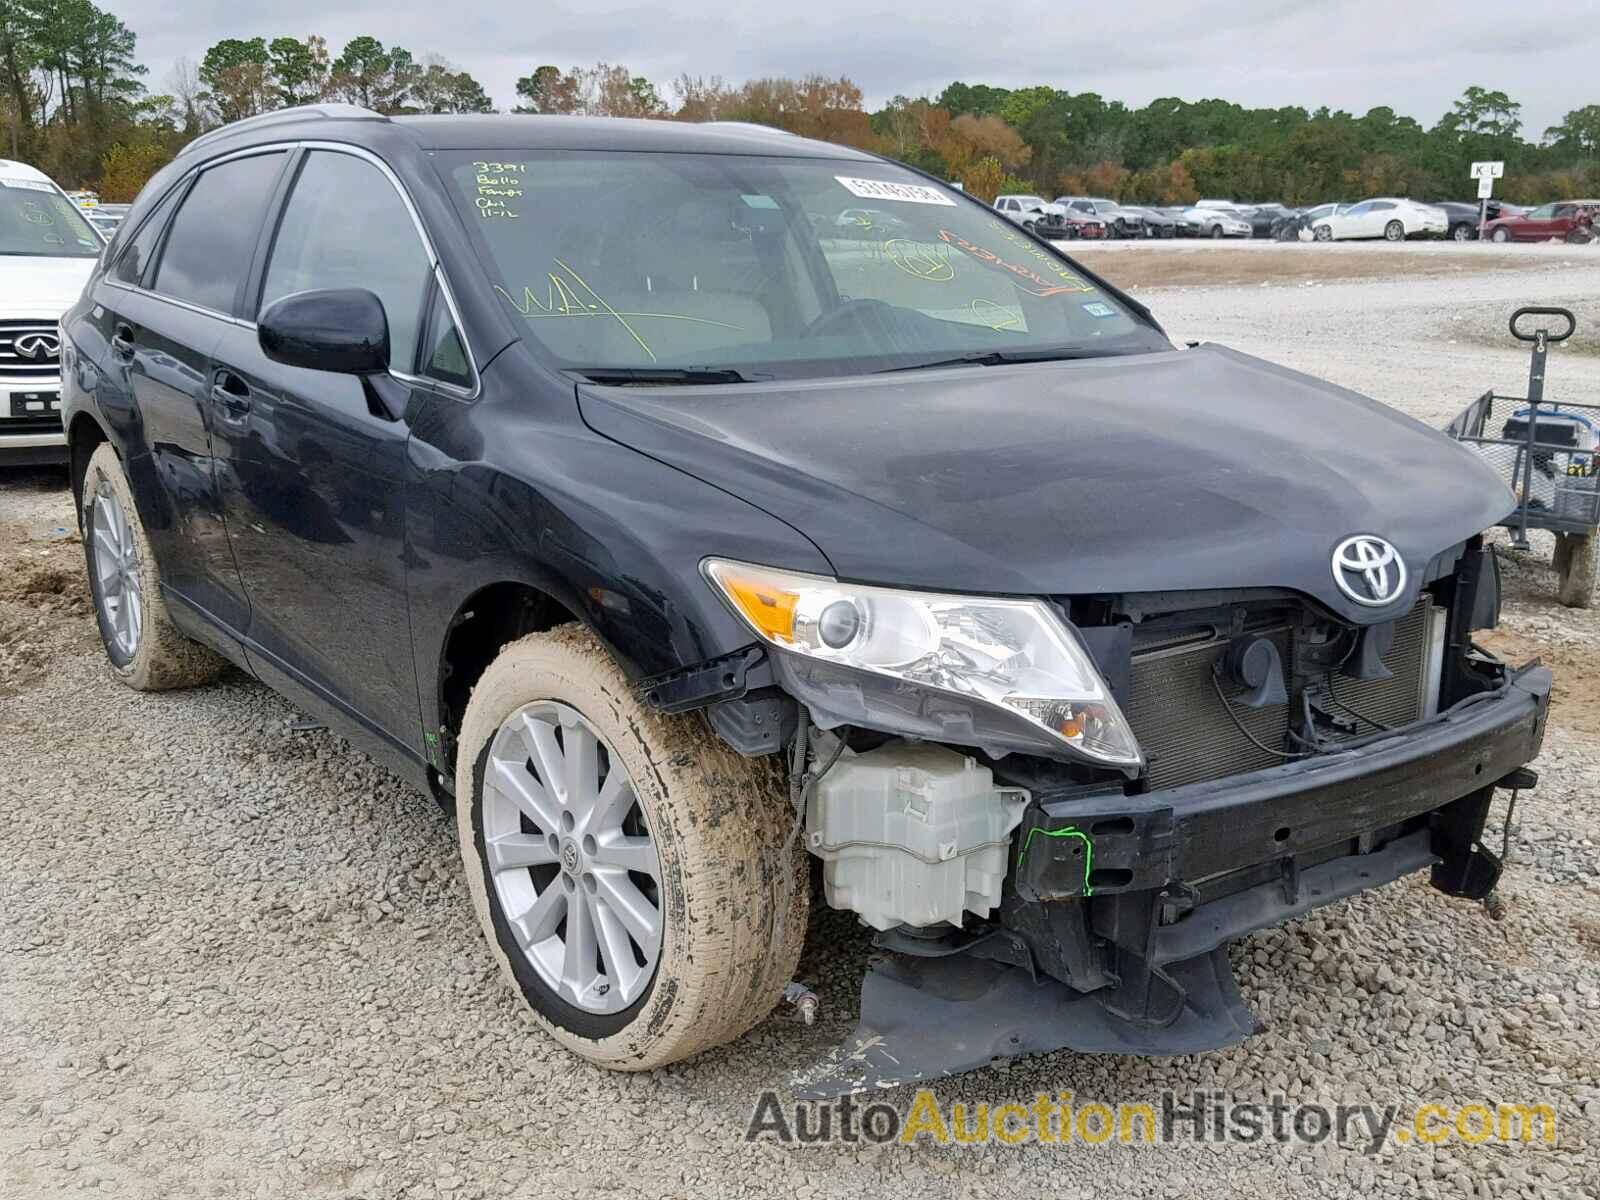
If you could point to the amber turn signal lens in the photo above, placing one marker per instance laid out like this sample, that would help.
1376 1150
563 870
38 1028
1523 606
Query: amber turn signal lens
769 609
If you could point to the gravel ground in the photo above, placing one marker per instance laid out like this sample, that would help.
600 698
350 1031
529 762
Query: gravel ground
238 960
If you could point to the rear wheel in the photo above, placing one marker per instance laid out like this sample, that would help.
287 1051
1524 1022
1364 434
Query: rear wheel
1394 231
638 882
1461 231
145 649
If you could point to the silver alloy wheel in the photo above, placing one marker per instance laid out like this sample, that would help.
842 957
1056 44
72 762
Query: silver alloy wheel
116 569
574 866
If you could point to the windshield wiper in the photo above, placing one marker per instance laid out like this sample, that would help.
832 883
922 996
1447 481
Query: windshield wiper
661 375
996 358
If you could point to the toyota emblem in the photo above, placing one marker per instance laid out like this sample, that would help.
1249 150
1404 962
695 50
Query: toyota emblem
1369 570
37 346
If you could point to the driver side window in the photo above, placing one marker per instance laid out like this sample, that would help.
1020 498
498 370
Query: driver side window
345 226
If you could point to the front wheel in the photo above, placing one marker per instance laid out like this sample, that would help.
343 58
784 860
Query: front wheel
1216 231
1394 231
144 647
1324 233
638 882
1501 235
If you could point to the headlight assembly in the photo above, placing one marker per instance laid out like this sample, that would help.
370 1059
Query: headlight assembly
1002 674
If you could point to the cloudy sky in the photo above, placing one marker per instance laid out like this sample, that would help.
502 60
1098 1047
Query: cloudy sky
1414 55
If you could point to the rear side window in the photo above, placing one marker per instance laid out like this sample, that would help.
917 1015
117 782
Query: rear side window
345 226
215 230
134 261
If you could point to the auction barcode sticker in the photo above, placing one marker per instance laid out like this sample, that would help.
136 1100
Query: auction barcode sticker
882 189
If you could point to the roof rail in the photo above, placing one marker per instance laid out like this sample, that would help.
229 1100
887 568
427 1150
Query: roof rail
300 112
753 126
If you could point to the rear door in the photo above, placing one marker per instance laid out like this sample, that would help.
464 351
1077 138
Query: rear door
315 481
164 305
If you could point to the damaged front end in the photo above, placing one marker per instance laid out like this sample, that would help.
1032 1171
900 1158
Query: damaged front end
1027 896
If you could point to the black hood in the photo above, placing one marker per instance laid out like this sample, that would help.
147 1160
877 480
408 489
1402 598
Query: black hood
1177 470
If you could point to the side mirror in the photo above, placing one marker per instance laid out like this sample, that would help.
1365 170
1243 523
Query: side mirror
343 330
338 329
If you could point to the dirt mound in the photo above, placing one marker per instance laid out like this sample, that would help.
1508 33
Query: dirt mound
53 586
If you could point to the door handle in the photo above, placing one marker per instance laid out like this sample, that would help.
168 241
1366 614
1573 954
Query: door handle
122 343
232 393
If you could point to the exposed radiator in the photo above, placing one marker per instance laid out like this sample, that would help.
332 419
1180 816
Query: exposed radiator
1188 736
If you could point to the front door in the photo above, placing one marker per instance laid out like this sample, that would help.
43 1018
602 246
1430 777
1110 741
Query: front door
314 486
1536 226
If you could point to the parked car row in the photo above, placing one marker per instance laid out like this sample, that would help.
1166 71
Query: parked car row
1391 218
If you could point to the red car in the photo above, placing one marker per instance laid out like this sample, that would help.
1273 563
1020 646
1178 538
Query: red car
1572 220
1085 226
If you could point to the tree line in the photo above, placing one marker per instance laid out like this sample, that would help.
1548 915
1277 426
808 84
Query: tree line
75 101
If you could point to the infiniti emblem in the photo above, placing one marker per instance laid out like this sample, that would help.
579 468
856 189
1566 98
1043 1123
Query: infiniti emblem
1369 570
37 346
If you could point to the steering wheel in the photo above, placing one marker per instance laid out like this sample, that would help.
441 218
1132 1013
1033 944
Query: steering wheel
850 312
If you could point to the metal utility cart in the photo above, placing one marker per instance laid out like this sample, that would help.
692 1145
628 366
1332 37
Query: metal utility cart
1549 454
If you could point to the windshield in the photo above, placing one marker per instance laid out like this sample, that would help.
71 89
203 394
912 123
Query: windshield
769 267
36 219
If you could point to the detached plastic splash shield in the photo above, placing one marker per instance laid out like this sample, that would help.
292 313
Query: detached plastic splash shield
926 1018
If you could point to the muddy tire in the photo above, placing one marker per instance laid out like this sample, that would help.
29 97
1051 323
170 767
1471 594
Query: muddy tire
143 646
730 889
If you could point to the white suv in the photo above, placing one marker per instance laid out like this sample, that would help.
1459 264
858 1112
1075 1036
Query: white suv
1033 213
48 250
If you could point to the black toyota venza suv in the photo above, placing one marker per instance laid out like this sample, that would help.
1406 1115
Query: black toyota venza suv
602 479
